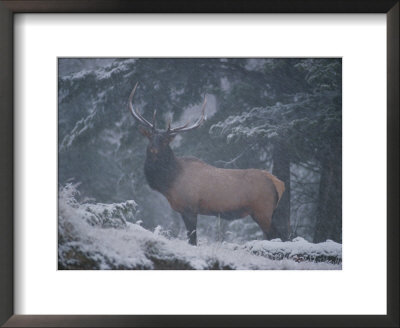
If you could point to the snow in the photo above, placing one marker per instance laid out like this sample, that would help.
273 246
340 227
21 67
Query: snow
108 236
81 127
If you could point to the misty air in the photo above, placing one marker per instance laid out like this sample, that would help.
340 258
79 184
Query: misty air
200 163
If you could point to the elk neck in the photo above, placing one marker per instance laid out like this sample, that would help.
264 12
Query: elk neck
162 170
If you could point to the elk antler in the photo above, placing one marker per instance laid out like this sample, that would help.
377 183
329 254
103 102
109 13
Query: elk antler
185 127
176 130
136 114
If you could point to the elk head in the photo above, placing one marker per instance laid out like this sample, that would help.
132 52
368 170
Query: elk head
159 140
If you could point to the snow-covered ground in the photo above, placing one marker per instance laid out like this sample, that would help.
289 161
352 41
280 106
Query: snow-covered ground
107 236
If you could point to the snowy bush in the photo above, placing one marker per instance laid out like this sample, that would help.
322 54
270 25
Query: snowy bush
107 236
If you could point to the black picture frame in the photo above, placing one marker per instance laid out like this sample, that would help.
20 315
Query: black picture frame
10 7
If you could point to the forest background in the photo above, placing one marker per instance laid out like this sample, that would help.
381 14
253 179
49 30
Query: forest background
279 114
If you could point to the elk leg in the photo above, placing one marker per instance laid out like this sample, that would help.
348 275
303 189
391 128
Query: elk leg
264 222
278 230
271 234
191 224
219 232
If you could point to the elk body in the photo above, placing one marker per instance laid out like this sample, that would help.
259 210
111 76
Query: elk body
193 187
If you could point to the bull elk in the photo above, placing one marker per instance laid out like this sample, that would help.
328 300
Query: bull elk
193 187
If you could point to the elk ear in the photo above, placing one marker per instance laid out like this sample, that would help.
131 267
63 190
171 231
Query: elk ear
168 138
171 137
145 132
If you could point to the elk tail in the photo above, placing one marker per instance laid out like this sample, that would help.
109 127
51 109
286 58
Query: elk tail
279 185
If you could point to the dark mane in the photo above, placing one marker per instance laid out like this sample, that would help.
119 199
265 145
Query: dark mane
161 173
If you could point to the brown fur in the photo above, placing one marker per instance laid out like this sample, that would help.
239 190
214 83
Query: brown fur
279 185
204 189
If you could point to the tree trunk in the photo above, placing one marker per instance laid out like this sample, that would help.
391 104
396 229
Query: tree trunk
329 210
281 169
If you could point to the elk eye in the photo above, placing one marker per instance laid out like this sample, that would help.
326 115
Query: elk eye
153 150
